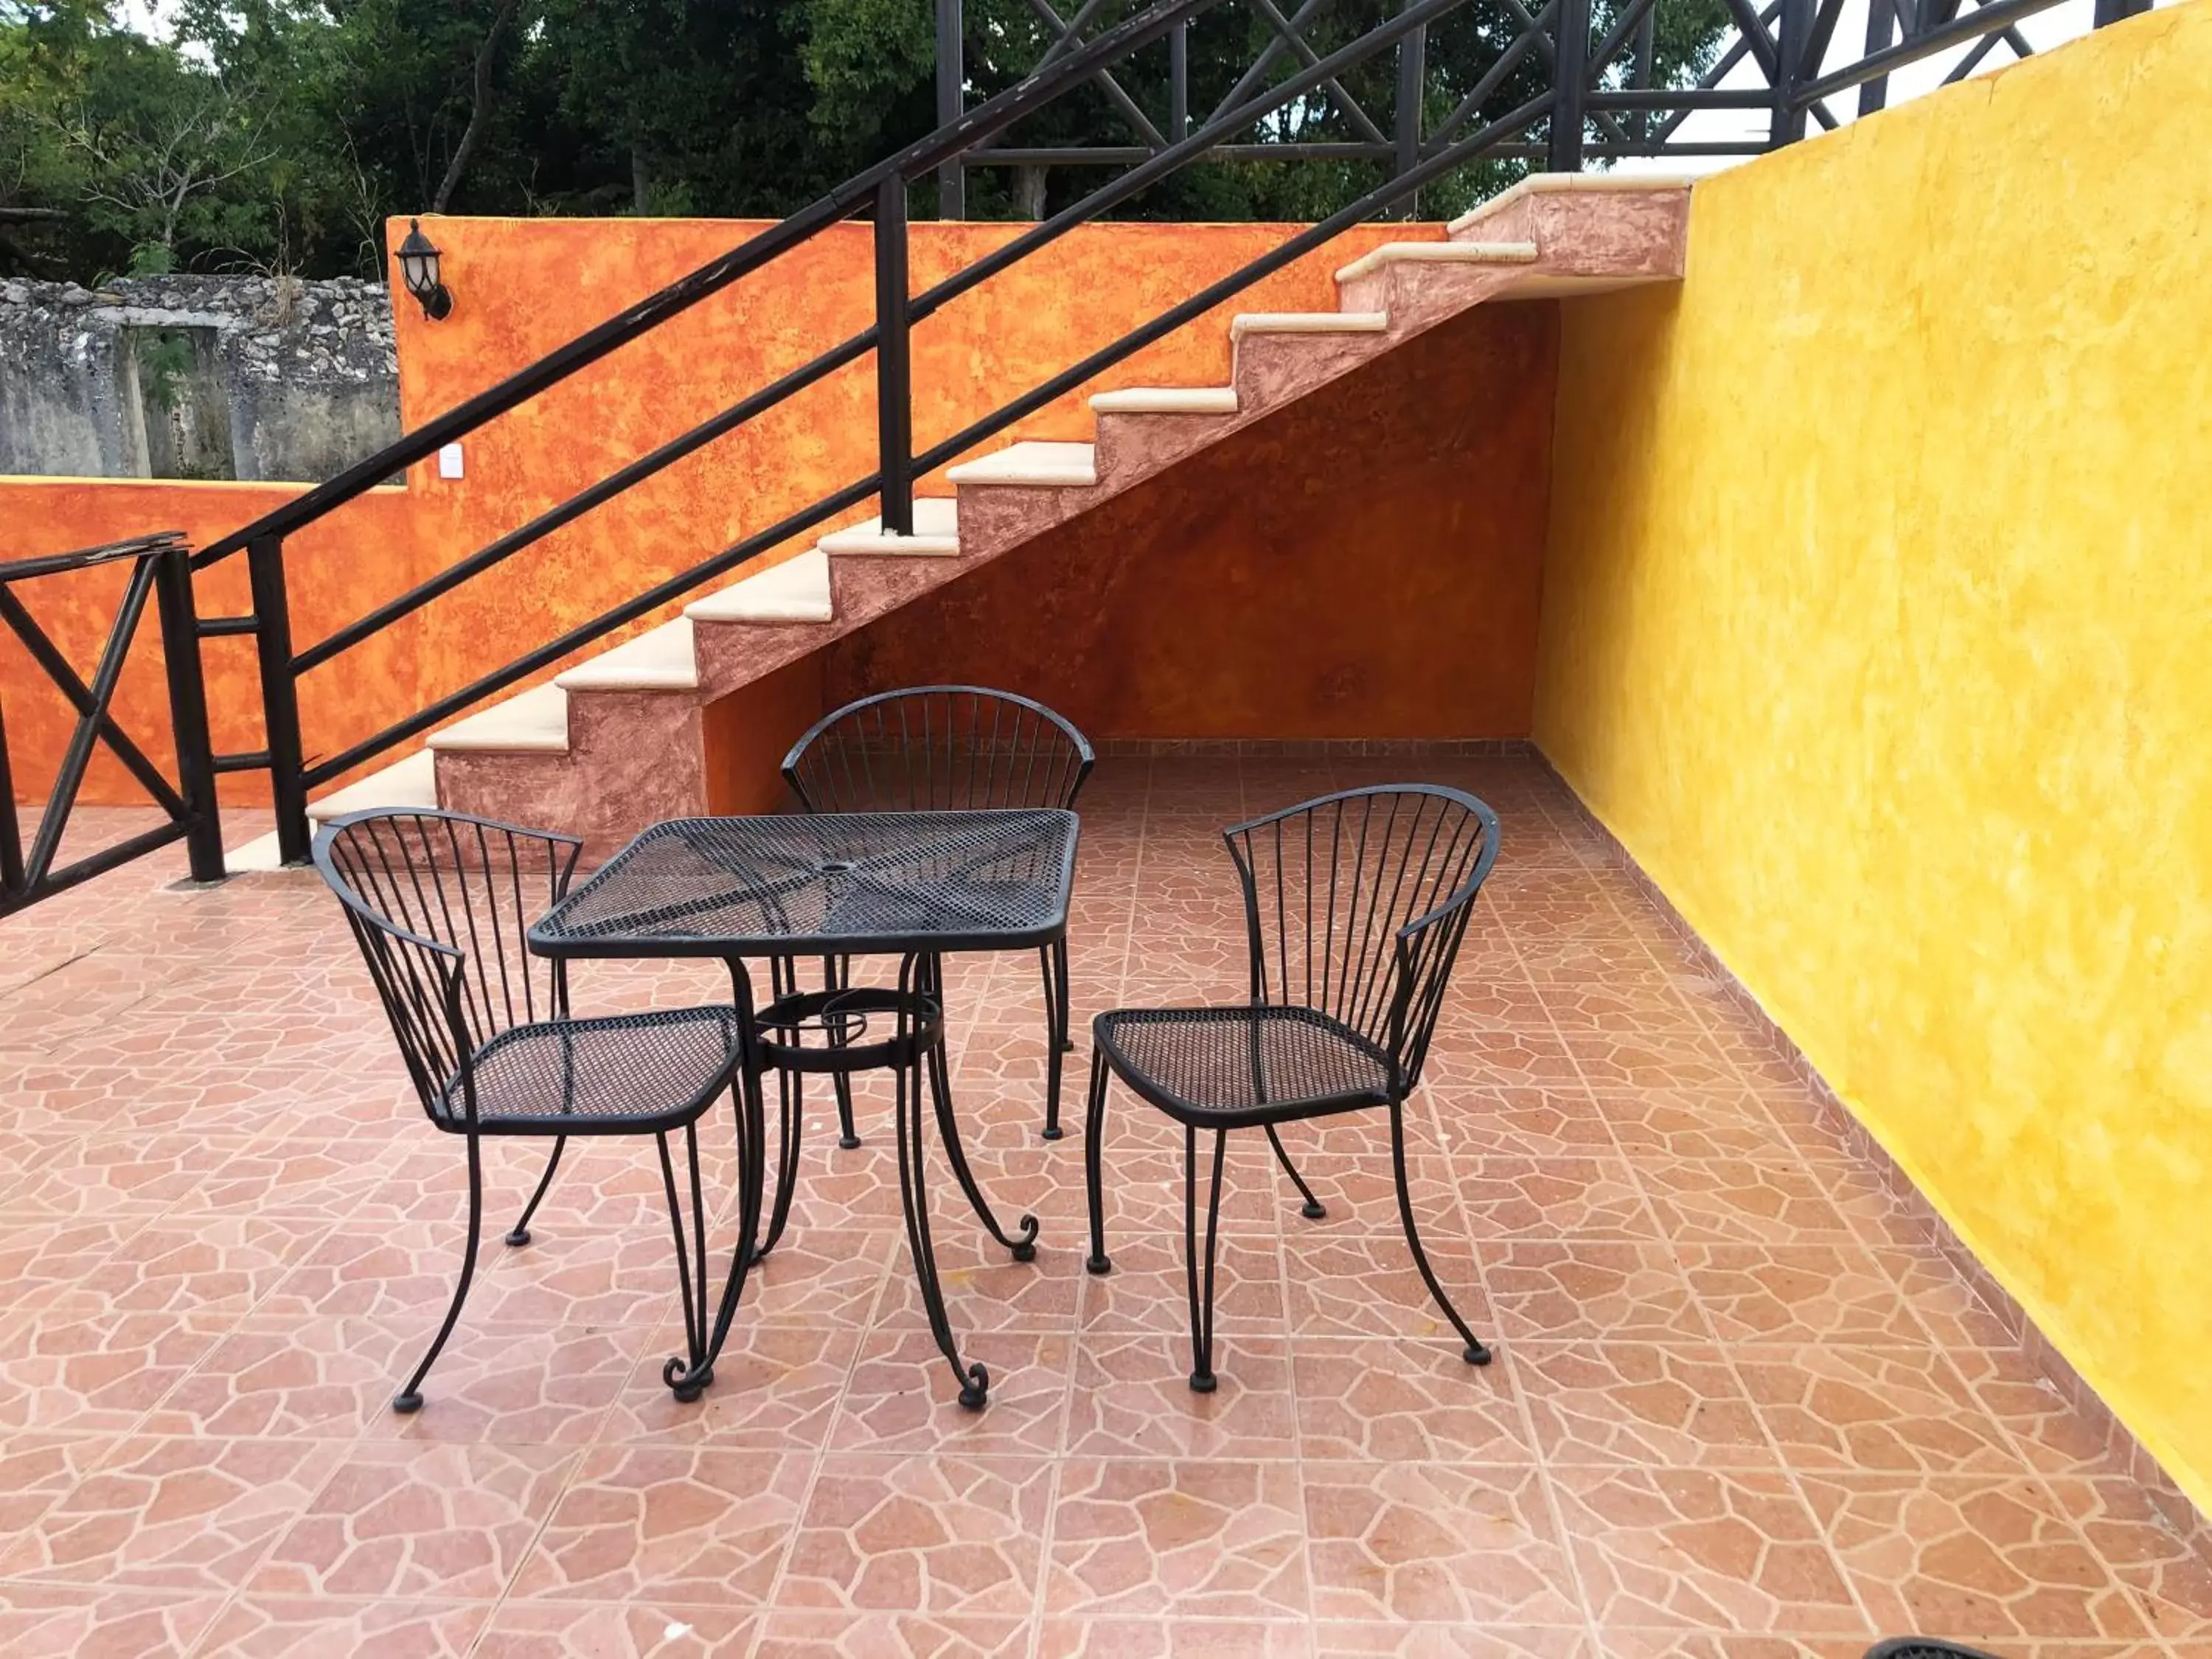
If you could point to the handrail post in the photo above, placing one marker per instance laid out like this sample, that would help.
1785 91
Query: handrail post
952 102
1179 83
2111 11
1413 79
1570 72
1793 31
188 712
11 833
280 694
894 374
1881 30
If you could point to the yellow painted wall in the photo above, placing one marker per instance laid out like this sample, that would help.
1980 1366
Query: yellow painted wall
1878 625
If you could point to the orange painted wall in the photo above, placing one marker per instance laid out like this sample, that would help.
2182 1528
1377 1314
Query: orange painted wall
1366 564
523 287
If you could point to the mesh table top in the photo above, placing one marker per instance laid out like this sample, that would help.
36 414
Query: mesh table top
844 883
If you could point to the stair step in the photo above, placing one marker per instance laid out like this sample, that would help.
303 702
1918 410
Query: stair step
1540 183
936 533
1167 400
662 659
1033 463
535 721
410 783
796 590
1308 322
1452 253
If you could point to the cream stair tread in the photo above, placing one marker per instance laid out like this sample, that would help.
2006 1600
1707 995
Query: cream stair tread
936 533
1308 322
796 590
661 659
1033 463
535 721
410 783
1540 184
1167 400
1441 253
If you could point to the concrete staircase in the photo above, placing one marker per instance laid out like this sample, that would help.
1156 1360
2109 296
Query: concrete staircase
620 740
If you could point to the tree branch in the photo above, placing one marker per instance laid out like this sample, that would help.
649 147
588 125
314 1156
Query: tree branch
479 106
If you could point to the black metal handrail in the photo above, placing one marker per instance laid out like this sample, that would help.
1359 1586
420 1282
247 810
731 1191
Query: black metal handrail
161 569
1597 102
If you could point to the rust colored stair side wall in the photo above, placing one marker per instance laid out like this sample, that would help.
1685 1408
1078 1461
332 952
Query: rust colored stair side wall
1366 564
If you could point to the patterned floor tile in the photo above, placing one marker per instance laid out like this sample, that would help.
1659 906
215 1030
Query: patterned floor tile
902 1394
1369 1286
1593 1199
694 1526
934 1535
1873 1409
418 1520
1702 1550
564 1630
1706 1309
1151 1639
1401 1641
299 1627
1645 1404
1567 1289
862 1636
776 1388
1436 1543
1820 1292
1956 1556
1132 1398
181 1514
54 1621
1214 1539
1403 1402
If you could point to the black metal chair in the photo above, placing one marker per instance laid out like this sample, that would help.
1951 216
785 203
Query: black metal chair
440 904
1356 905
1923 1647
938 748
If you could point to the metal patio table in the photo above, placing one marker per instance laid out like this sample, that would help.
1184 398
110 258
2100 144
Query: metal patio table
914 885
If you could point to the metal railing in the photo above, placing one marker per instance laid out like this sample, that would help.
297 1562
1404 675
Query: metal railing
161 570
1550 92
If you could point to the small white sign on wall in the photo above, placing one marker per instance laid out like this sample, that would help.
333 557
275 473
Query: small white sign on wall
449 461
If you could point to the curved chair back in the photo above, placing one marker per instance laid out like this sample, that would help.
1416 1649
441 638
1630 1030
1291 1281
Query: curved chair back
938 748
1356 903
440 904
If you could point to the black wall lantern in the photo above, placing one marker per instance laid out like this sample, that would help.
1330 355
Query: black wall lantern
418 269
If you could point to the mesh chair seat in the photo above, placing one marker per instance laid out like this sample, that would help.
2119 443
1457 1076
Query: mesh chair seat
616 1074
1226 1067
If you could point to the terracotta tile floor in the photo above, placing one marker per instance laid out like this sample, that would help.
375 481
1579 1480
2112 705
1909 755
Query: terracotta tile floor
1736 1412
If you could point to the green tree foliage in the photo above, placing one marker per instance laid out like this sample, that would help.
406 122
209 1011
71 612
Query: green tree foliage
278 135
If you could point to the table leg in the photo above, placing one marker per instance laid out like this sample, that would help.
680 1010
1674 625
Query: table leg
931 984
913 1198
687 1376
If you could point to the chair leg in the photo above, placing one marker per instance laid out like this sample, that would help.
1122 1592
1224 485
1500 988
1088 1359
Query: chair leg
836 973
1475 1353
691 1269
1312 1210
790 1124
1094 1135
410 1399
519 1233
1201 1302
1053 959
